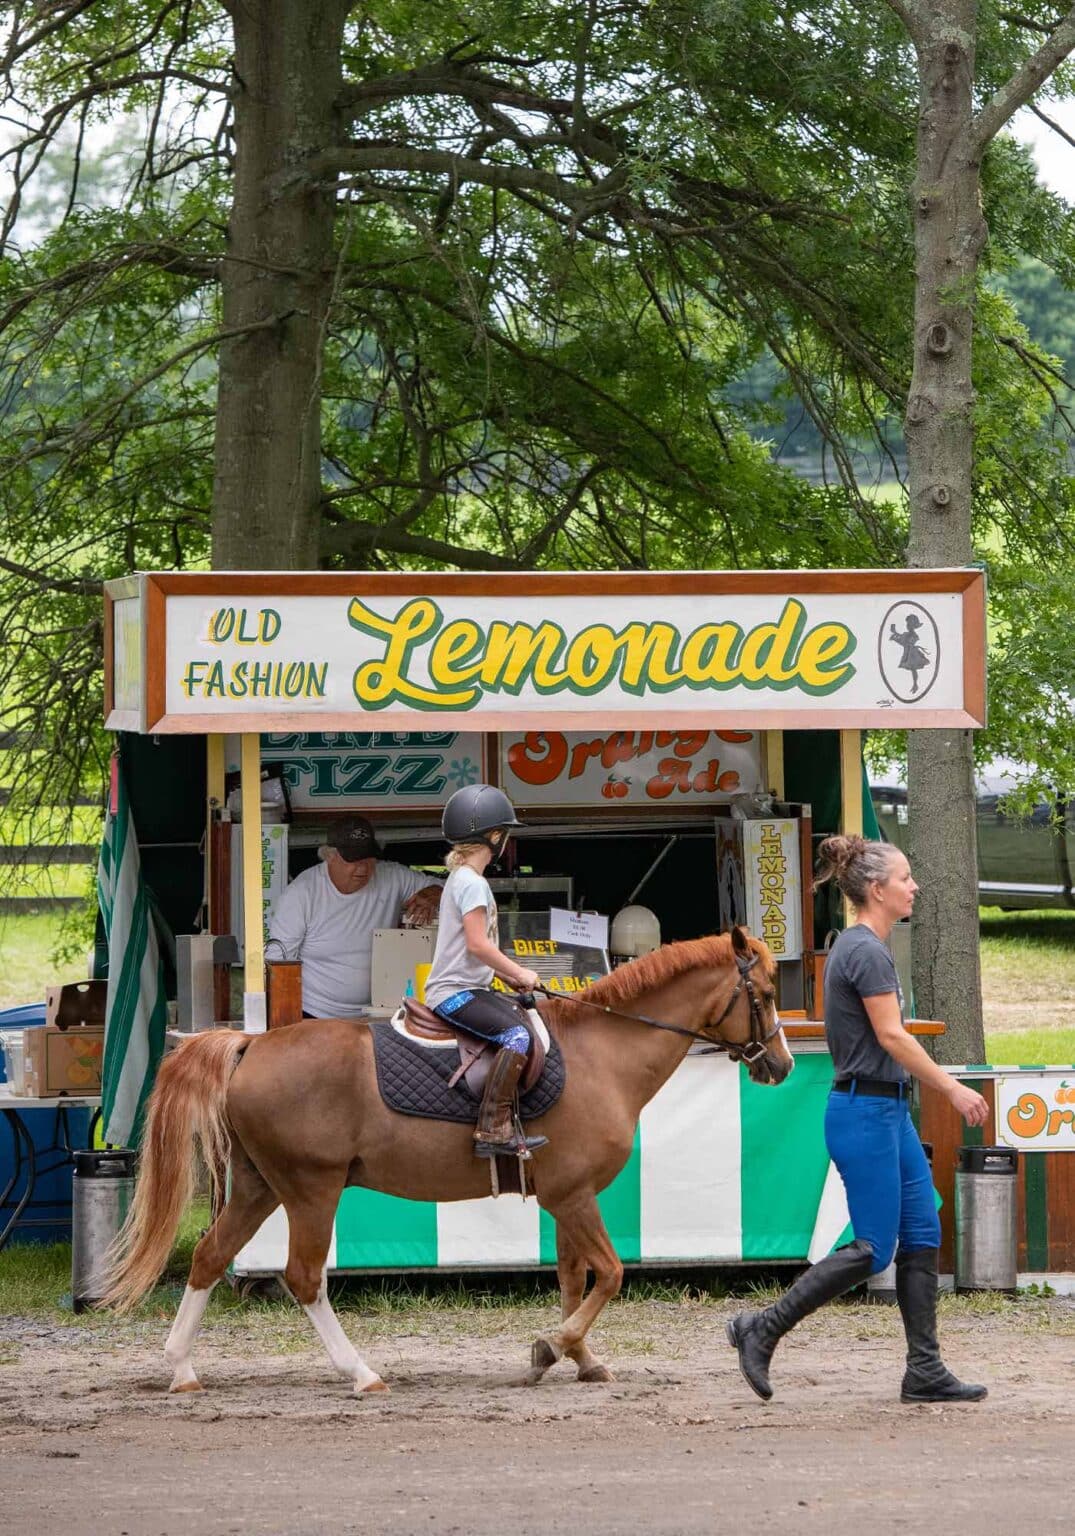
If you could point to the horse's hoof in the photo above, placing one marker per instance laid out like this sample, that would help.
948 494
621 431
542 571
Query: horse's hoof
186 1386
596 1373
376 1385
544 1354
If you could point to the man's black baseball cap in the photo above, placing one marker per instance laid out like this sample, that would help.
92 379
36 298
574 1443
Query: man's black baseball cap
355 839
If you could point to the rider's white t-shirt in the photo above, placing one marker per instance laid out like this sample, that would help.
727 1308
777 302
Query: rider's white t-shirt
454 968
332 933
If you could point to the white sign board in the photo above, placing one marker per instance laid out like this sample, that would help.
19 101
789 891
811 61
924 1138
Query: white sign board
751 649
364 770
1036 1112
664 769
127 671
583 930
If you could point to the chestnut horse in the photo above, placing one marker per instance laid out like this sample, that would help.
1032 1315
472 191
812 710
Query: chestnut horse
297 1115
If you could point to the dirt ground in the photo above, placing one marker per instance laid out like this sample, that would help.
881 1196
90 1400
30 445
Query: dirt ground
90 1441
1008 1017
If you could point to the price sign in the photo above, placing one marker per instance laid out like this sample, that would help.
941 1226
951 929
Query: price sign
583 930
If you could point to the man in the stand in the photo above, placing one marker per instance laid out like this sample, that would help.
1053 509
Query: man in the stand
327 915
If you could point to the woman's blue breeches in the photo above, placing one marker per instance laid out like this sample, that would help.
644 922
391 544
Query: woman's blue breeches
888 1181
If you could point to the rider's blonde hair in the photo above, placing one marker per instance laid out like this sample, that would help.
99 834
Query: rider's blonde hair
459 853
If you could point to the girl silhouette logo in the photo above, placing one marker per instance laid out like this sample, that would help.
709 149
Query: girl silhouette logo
908 651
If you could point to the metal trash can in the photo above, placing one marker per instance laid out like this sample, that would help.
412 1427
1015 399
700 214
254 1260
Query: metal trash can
881 1289
985 1219
101 1190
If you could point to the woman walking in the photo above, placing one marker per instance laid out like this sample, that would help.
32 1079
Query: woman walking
870 1135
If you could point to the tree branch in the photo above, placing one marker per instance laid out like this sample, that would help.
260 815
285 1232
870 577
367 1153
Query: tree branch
111 407
1028 78
162 254
357 159
18 48
349 539
1018 19
1049 123
444 78
84 587
533 550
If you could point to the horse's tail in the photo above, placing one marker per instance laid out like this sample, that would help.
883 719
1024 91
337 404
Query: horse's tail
187 1106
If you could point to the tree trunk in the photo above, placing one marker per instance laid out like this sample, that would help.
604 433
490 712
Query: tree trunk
950 233
276 285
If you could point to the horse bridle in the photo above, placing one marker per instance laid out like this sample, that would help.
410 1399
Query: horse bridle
751 1051
754 1049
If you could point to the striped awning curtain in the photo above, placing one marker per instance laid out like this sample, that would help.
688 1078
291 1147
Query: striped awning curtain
136 1013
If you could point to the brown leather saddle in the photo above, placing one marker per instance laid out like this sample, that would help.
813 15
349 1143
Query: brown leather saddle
475 1054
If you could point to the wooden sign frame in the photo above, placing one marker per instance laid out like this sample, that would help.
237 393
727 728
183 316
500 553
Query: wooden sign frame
148 713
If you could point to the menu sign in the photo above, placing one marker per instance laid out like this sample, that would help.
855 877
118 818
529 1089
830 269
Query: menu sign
630 768
370 770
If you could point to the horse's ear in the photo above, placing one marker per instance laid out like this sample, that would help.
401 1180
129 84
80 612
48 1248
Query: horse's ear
740 942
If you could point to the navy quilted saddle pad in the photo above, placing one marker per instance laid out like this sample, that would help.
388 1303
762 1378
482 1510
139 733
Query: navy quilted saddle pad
413 1079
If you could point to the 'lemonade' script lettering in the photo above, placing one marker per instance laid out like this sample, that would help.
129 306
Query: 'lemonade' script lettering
463 660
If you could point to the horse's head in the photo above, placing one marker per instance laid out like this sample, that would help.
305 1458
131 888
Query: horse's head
748 1023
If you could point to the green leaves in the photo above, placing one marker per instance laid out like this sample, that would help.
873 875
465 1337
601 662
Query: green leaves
538 374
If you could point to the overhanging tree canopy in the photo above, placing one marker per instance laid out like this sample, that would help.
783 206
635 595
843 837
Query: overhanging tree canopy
475 288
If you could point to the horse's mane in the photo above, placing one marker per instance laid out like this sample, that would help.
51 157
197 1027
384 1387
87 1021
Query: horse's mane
626 983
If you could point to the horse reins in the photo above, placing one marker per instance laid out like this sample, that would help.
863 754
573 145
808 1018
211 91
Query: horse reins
753 1050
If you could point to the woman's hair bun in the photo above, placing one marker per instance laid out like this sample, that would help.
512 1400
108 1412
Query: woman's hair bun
840 849
854 862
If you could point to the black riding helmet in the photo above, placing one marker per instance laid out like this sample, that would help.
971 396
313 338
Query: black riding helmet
475 811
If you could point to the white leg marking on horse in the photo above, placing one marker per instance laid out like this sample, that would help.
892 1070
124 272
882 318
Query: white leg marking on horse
343 1354
181 1339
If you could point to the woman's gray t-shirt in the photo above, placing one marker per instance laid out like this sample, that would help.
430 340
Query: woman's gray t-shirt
859 965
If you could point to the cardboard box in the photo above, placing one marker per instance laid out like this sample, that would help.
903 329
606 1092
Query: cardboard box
79 1002
64 1061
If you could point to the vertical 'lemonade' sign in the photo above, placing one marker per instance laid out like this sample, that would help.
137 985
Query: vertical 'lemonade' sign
773 884
428 662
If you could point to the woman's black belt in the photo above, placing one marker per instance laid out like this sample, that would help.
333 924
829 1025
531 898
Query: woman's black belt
873 1087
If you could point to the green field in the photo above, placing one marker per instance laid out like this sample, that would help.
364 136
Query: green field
27 949
1027 957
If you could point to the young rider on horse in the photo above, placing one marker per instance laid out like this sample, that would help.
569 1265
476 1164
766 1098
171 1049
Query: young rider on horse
478 822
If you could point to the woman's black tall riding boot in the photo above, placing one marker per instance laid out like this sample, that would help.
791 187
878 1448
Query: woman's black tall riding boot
927 1379
756 1334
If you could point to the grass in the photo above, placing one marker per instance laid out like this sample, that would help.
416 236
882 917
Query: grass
37 882
1028 956
35 1281
1031 1047
26 967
